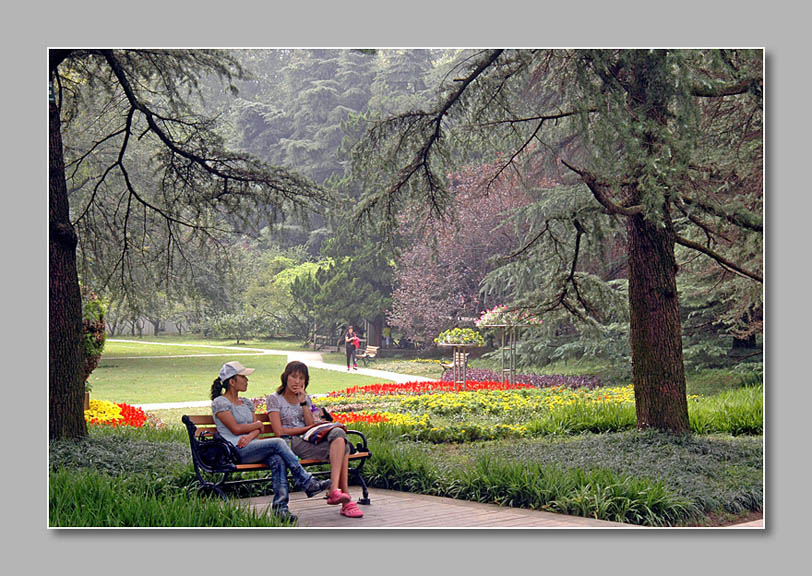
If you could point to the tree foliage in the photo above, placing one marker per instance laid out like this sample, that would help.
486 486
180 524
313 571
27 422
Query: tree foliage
134 109
441 269
665 145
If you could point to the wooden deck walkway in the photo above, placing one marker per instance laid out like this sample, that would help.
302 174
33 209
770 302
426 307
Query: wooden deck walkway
391 509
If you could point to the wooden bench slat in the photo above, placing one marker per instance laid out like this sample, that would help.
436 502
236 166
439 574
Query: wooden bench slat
208 419
303 462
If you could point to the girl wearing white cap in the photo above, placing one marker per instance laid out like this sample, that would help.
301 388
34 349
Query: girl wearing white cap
236 422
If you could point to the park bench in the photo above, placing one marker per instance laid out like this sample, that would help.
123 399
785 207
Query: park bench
321 342
368 354
215 479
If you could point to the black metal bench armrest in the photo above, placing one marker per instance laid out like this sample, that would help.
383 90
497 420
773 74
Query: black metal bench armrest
361 446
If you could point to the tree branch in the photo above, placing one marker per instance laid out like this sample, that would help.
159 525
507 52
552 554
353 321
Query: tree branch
749 220
599 191
724 262
421 159
718 90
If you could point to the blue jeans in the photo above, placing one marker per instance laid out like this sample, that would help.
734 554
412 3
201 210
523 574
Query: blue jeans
278 456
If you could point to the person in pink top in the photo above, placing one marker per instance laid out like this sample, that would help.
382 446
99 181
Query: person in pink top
351 341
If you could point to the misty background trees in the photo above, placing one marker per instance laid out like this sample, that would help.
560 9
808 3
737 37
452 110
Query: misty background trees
316 188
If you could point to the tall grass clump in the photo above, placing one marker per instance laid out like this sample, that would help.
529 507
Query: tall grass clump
737 412
398 467
599 493
86 498
581 417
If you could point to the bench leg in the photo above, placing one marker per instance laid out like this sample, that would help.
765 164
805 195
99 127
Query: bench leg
364 491
207 486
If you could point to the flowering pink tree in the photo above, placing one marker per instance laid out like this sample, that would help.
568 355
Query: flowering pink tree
439 276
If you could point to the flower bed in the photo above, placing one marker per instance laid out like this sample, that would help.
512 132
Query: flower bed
102 412
424 388
534 380
440 411
481 410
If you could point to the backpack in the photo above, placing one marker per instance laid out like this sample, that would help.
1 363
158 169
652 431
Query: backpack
216 452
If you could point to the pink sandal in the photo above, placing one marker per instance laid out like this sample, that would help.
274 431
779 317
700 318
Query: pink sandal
351 510
338 497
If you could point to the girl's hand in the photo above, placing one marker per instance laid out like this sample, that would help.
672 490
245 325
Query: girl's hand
244 441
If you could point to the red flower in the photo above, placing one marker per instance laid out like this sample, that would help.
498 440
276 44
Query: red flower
352 417
427 388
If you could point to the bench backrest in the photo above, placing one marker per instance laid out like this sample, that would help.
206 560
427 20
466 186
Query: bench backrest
372 350
206 422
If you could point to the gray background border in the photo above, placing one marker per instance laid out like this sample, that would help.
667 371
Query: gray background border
38 25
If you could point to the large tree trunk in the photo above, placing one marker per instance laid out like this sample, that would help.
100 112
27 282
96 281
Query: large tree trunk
66 389
655 332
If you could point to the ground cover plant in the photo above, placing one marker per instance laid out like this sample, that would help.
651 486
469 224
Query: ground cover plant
536 380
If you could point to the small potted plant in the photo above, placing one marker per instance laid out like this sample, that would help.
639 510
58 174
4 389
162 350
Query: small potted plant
503 316
465 336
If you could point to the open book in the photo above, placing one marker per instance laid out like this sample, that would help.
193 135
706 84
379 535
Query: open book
318 433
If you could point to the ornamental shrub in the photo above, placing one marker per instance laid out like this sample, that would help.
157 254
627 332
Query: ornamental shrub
502 315
93 337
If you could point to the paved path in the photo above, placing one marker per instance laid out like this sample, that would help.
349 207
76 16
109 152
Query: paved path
391 509
312 359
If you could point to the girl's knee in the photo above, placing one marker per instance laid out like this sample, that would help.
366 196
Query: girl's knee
343 439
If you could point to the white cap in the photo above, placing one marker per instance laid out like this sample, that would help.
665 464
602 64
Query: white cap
231 369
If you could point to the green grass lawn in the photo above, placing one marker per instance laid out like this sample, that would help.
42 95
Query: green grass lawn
123 349
145 372
270 344
148 380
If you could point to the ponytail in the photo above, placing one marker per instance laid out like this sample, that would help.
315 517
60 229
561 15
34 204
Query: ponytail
217 387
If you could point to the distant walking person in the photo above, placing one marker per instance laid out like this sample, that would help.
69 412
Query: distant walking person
351 342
